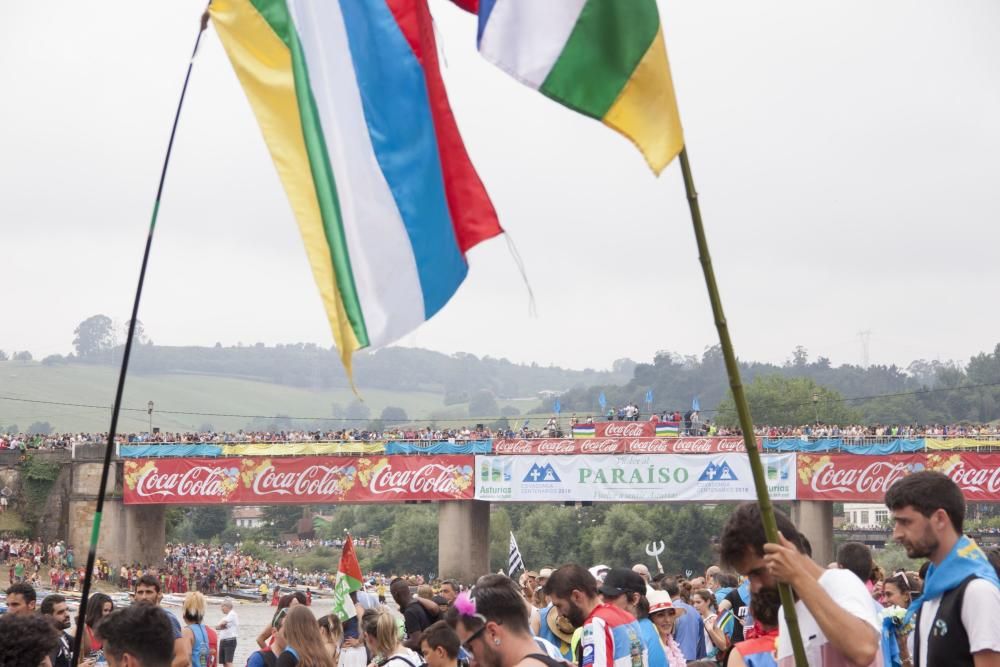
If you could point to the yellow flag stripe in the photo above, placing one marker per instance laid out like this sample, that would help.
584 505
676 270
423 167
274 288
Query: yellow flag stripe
263 65
646 109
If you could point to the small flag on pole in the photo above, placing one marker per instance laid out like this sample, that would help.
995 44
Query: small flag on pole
602 400
557 408
649 396
514 561
695 404
348 581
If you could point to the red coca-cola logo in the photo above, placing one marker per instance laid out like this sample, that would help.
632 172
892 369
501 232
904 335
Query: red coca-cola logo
693 446
557 447
625 430
977 480
873 479
196 481
607 446
731 445
317 480
431 478
648 446
512 447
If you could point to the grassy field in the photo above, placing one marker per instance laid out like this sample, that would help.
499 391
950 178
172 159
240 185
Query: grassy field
21 382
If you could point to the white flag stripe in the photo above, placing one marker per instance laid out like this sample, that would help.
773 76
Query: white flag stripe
514 560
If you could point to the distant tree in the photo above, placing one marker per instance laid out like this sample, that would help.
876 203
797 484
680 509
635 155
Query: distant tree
140 332
800 357
23 355
208 520
12 429
40 428
393 415
776 400
3 356
93 336
357 412
483 404
509 411
337 411
53 360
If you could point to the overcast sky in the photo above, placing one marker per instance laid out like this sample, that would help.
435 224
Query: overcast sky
846 154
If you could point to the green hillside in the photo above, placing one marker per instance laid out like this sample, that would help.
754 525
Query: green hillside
189 392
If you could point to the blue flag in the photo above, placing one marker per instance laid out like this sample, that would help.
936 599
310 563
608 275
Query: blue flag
602 401
557 408
695 405
649 395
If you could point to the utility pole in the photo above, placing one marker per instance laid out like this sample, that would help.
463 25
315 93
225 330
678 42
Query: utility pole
866 338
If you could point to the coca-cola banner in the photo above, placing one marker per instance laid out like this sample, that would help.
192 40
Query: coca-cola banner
617 445
630 477
314 479
643 429
851 477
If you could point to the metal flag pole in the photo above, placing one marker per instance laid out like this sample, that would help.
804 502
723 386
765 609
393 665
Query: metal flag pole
742 408
109 449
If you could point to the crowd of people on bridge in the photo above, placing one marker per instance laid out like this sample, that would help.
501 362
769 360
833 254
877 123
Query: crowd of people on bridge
849 611
690 423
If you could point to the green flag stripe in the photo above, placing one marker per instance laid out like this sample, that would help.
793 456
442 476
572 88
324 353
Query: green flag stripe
606 45
275 13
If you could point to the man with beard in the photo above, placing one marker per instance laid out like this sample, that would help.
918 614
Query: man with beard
956 617
837 623
493 627
54 609
611 636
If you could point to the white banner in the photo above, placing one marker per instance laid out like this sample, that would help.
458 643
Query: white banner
626 478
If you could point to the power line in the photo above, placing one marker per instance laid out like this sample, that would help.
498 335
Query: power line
919 392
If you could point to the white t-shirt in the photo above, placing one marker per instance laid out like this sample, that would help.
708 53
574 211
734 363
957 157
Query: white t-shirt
851 595
232 626
980 609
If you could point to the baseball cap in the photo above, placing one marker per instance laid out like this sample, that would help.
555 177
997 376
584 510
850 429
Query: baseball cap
619 580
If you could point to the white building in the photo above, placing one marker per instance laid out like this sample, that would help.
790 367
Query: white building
867 516
248 517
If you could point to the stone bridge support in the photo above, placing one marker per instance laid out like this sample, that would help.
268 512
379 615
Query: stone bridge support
129 533
463 540
814 519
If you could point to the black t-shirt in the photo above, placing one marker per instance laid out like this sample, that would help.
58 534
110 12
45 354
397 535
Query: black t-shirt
740 611
416 618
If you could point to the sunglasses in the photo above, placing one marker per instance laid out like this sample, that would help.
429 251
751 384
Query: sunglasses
467 644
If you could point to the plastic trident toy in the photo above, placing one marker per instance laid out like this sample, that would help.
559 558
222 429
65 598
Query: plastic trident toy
654 550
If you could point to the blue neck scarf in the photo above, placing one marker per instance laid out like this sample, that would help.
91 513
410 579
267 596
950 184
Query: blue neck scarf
964 560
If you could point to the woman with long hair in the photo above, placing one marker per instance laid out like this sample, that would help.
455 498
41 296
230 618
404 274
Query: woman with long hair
382 637
304 645
332 631
715 637
201 638
664 615
286 601
99 606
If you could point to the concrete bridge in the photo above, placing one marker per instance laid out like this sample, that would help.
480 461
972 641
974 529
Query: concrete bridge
137 533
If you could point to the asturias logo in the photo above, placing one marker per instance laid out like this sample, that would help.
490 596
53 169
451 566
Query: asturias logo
718 473
544 473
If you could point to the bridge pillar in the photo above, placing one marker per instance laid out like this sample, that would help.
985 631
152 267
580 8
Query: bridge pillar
463 540
814 519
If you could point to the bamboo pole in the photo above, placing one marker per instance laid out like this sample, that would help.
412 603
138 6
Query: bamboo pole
742 408
116 408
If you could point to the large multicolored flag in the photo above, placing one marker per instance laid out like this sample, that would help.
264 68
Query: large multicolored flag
604 58
348 580
354 112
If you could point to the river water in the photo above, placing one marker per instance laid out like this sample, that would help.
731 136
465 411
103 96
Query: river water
253 617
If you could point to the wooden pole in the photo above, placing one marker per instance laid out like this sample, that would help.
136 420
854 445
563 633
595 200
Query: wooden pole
742 408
